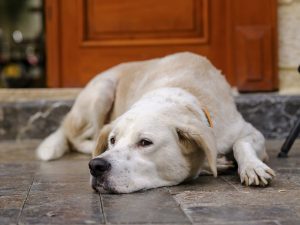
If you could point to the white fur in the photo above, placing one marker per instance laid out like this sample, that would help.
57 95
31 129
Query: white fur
135 168
53 147
150 99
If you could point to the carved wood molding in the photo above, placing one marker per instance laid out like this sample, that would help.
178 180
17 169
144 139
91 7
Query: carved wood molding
253 56
117 27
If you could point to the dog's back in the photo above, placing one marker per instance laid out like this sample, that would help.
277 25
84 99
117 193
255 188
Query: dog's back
190 72
114 91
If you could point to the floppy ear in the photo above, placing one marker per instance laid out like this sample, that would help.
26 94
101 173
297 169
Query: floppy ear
102 142
203 137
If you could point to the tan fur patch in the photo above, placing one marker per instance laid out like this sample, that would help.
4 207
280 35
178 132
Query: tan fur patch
190 152
102 142
193 141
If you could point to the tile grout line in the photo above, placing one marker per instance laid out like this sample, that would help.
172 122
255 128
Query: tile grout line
102 208
179 205
226 181
23 205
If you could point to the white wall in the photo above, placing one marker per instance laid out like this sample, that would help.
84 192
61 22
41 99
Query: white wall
289 45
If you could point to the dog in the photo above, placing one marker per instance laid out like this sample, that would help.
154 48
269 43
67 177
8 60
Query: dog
155 123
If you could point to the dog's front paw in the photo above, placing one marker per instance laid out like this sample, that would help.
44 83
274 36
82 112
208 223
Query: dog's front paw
256 173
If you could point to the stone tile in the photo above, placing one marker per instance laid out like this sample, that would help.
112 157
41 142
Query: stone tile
272 114
202 184
61 194
36 119
61 189
31 94
239 214
73 167
291 175
290 162
62 178
280 183
154 206
18 152
12 201
247 198
11 185
9 216
61 204
274 146
257 222
24 152
74 211
17 169
289 222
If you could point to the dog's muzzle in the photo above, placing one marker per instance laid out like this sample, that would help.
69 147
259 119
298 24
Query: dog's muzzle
98 167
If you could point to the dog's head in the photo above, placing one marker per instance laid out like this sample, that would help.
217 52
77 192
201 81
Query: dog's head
145 149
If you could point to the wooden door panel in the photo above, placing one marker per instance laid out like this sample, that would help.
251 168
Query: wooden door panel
255 43
255 51
150 22
118 19
85 37
84 56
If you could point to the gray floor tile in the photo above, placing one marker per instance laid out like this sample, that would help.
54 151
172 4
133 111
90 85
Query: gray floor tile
60 194
62 208
72 167
12 201
282 182
155 206
9 216
62 178
257 222
247 198
12 185
17 169
60 188
289 222
239 214
202 183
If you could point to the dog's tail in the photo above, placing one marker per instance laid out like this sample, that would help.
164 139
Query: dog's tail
54 146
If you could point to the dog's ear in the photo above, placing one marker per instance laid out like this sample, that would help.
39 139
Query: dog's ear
203 138
102 142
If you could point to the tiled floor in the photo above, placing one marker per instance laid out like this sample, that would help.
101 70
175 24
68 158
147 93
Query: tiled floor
33 192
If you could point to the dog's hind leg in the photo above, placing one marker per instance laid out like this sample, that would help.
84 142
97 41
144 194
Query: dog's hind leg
249 152
89 114
53 147
82 124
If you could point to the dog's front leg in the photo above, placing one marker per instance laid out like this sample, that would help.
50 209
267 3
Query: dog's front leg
249 152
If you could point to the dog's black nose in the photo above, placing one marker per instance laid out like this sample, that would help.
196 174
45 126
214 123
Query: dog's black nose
98 166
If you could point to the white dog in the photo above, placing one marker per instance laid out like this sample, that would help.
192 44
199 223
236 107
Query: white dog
153 123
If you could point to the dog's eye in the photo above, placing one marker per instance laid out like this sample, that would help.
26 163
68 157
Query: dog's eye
112 140
145 143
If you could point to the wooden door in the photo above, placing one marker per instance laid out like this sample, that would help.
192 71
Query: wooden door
85 37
